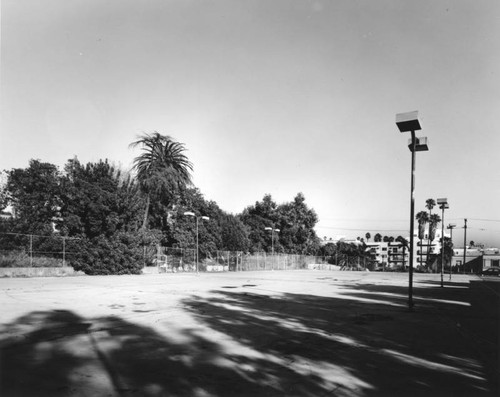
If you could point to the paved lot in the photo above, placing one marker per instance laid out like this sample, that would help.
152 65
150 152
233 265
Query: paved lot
298 333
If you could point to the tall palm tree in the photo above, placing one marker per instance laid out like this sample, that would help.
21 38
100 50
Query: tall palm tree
434 220
430 203
368 236
422 217
162 167
404 243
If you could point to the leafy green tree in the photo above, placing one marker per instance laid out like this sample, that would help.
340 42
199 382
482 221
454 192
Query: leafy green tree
234 234
97 199
34 193
257 217
162 169
296 224
447 246
119 254
294 219
377 238
328 251
352 255
3 190
181 230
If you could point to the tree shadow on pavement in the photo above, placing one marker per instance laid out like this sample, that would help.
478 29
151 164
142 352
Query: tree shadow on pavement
363 348
247 344
470 310
66 355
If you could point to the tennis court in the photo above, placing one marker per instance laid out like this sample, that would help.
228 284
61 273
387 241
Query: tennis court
272 333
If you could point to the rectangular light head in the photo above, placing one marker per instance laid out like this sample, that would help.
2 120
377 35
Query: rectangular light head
442 201
408 121
420 144
451 226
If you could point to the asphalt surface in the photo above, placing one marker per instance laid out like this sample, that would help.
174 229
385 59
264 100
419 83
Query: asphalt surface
294 333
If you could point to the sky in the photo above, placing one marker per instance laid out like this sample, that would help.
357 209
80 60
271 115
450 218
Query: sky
269 97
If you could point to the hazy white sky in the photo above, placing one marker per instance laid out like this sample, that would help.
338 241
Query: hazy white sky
274 97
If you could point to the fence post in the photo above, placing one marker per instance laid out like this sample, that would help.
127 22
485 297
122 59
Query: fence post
64 251
31 250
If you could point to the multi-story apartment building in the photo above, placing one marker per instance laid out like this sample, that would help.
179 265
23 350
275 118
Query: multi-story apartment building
388 255
398 255
425 250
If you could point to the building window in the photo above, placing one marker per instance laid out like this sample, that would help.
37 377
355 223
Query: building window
495 262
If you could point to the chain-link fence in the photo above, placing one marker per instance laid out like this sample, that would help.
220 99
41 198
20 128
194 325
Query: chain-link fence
31 250
175 260
184 260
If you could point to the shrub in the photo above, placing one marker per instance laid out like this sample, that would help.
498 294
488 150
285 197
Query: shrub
119 254
22 259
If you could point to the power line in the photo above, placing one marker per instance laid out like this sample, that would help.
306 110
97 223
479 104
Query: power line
476 219
360 230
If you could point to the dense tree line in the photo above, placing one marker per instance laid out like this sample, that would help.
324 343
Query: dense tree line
114 214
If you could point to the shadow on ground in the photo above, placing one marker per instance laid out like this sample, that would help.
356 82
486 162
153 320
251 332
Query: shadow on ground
362 342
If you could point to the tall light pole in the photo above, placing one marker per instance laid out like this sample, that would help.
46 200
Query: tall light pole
408 122
451 226
465 242
272 237
206 218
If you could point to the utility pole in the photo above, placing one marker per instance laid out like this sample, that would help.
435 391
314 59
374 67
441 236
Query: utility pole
465 241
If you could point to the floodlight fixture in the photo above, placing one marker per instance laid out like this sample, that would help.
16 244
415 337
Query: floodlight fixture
408 121
272 237
189 213
420 144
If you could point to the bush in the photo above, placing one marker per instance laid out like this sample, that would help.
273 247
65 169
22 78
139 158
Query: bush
22 259
119 254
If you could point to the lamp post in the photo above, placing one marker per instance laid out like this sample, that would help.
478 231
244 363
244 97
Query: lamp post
408 122
443 204
465 243
451 226
272 237
206 218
